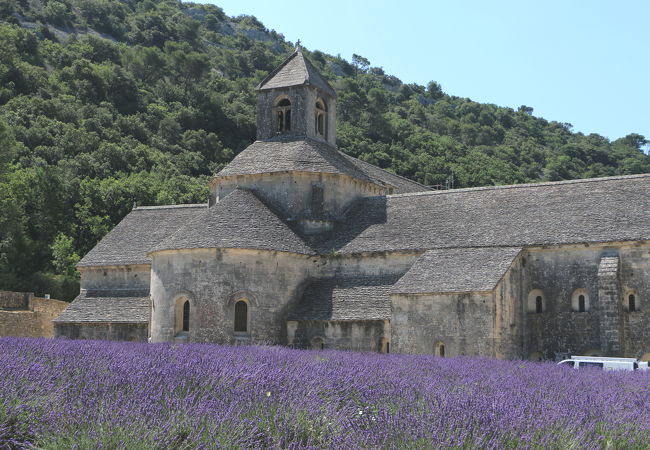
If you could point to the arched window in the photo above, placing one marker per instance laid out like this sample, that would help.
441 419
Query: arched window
580 301
186 316
384 345
320 124
440 349
181 315
241 316
536 301
282 113
631 301
317 344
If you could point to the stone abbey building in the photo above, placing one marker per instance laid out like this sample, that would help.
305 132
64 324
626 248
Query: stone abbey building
305 246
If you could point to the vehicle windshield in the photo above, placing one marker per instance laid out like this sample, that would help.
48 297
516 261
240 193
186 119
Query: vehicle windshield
567 363
591 365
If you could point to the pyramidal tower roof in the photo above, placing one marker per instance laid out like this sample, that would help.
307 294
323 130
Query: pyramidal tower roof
296 70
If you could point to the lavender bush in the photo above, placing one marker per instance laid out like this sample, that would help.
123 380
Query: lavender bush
90 394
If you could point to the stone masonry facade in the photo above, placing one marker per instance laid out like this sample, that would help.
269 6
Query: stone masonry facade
305 246
22 314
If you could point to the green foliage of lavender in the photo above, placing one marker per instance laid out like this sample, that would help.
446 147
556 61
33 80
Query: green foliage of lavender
89 394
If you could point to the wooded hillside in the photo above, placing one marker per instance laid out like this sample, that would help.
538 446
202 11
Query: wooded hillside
107 103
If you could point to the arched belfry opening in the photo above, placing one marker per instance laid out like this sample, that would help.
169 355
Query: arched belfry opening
320 122
282 113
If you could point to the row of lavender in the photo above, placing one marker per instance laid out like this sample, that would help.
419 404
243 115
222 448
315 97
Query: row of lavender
58 394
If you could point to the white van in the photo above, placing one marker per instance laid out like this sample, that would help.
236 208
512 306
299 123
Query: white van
604 363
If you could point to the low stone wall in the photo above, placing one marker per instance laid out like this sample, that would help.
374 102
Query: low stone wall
23 315
361 335
15 300
104 331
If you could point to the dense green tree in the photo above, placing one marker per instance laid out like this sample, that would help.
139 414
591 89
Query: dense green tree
107 103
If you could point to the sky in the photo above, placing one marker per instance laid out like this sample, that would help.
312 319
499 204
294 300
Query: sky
585 62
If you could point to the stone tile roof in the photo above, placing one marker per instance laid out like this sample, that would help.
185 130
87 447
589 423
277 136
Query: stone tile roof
302 154
286 153
402 185
89 308
456 270
296 70
346 298
240 220
580 211
137 233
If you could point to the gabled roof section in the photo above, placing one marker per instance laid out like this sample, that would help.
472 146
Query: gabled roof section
240 220
346 298
593 210
294 154
456 270
296 70
401 184
90 308
141 229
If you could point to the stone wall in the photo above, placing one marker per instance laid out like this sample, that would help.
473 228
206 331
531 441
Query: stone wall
214 280
271 282
509 313
303 109
635 279
15 300
362 336
463 322
291 193
103 331
116 278
605 275
34 320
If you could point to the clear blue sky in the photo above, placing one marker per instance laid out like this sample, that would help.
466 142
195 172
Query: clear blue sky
586 62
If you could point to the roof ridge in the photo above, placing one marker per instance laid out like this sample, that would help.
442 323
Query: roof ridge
390 173
183 205
310 77
300 154
522 186
168 242
276 70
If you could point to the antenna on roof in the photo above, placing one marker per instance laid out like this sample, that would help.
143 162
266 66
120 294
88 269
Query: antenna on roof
449 183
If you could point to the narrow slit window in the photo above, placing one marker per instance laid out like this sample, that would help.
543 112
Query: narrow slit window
539 304
317 200
186 316
581 303
631 302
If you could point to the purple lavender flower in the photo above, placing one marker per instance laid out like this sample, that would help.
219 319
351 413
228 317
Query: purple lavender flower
59 393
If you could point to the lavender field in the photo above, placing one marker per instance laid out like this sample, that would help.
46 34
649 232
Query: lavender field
90 394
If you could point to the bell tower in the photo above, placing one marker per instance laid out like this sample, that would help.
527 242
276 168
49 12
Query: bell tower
296 101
